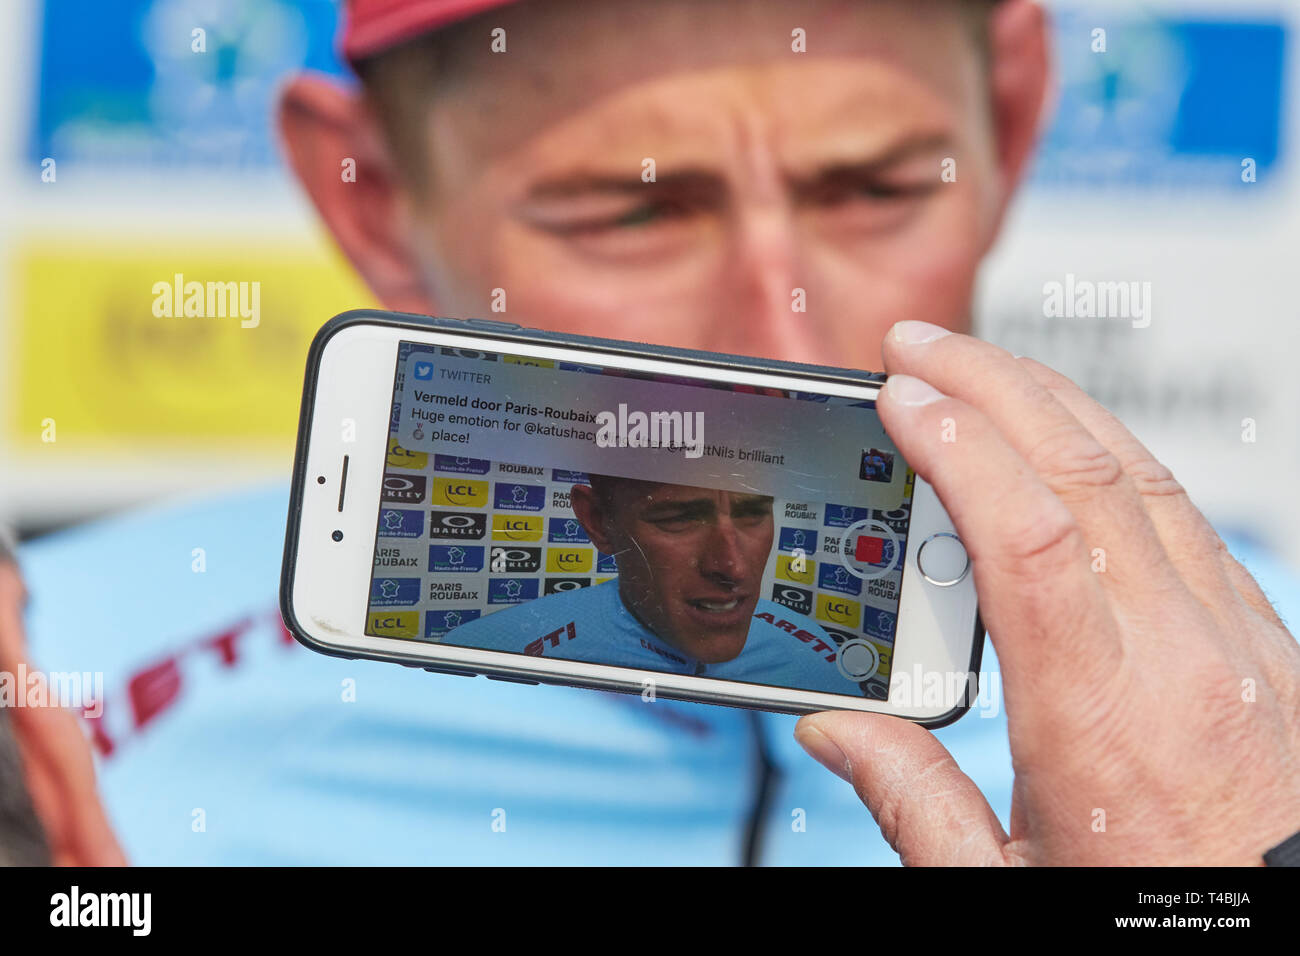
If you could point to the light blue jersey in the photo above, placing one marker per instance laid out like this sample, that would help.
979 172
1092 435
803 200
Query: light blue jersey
784 648
224 742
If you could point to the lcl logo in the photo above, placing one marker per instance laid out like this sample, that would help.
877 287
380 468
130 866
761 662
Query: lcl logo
518 529
839 611
460 492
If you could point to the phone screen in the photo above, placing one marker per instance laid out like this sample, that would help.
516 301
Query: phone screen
668 523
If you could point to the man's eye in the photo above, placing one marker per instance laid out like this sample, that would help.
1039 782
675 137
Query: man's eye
887 192
635 218
640 216
874 192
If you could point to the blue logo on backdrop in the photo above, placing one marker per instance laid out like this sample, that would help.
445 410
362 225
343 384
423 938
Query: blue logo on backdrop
1169 102
575 367
802 538
565 531
835 577
397 523
514 497
158 102
511 590
841 516
455 557
464 466
438 623
391 592
878 623
572 477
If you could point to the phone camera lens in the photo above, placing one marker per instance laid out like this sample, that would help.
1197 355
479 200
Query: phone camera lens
320 479
337 536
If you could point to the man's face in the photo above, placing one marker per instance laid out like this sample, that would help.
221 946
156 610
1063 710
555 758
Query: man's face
690 561
677 173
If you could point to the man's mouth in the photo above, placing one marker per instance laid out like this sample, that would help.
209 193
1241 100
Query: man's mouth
716 606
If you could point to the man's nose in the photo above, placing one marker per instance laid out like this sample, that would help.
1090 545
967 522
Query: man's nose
762 291
723 558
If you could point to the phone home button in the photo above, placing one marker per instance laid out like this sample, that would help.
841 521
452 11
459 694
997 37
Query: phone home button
942 559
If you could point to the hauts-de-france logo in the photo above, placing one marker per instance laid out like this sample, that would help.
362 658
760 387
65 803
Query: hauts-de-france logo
439 623
394 592
511 496
400 523
566 531
455 558
836 577
511 590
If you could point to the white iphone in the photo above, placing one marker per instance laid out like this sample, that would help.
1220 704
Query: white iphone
476 498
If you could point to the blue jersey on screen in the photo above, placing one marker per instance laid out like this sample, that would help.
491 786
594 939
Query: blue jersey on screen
784 649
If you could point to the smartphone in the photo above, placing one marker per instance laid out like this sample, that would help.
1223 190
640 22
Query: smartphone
477 498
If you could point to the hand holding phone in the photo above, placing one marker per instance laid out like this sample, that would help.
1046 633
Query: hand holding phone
1152 693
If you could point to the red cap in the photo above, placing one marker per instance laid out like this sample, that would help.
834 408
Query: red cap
372 26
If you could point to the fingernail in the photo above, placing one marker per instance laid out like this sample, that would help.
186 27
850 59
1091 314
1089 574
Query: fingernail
912 332
907 390
822 749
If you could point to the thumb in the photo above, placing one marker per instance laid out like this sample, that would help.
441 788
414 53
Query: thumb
931 813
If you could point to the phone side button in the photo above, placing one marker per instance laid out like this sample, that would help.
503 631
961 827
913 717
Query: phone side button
492 325
452 671
515 680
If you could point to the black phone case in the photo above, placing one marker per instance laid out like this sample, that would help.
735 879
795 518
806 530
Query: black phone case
507 333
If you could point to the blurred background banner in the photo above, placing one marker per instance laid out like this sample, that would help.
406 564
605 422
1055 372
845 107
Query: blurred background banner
115 89
1182 96
1168 167
137 165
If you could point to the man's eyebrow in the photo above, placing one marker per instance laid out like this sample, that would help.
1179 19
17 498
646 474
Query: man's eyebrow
692 505
712 185
894 154
573 185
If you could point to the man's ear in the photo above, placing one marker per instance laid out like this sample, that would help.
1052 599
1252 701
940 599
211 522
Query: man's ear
588 510
335 150
1019 73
